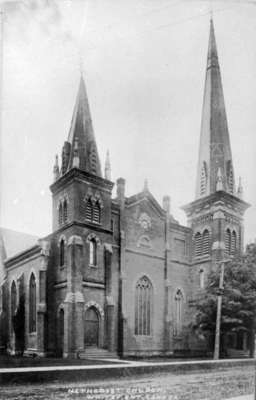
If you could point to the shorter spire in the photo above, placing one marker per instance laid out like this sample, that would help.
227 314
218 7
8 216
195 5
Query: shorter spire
56 169
75 154
240 188
107 167
219 183
145 188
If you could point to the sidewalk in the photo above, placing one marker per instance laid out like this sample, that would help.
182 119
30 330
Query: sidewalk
245 397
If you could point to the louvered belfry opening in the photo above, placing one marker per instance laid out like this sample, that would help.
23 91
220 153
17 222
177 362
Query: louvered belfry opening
198 244
228 241
206 242
89 210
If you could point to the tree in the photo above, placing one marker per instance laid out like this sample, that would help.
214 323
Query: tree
238 313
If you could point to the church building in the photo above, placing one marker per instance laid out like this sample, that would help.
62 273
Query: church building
118 275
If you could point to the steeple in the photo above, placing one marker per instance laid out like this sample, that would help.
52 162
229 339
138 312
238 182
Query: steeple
215 158
80 150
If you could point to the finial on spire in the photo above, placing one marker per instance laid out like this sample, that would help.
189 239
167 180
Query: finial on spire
75 154
219 183
107 167
145 188
56 169
240 188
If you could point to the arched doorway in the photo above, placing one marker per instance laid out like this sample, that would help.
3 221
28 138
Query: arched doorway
91 327
61 333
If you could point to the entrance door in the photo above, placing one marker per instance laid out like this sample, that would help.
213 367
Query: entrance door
91 328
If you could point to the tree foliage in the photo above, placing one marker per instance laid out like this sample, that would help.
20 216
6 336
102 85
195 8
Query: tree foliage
238 313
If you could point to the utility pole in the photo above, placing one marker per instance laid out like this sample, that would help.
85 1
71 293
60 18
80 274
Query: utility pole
218 317
1 103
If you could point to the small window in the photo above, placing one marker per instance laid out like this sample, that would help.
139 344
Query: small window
201 278
65 211
93 252
60 214
233 242
179 309
62 252
13 300
180 246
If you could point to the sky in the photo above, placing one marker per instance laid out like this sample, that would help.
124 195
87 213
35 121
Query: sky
144 64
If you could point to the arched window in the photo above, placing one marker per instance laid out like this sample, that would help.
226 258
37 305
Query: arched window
96 213
13 300
198 244
65 211
233 242
206 242
60 214
143 306
228 241
62 252
32 304
88 211
93 252
179 306
201 278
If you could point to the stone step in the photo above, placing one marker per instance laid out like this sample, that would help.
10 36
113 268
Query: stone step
96 353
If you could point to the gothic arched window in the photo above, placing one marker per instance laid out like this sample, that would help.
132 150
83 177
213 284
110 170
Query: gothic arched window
93 252
201 279
13 299
32 304
233 242
93 160
143 306
198 244
228 241
65 211
206 242
62 252
179 309
60 213
89 210
97 213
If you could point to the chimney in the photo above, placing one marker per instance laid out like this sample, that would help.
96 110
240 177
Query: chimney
120 189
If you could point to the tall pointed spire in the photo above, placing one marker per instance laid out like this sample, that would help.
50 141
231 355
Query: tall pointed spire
81 136
215 151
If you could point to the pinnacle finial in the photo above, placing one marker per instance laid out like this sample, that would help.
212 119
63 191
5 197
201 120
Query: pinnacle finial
107 167
240 188
75 154
145 188
56 169
219 183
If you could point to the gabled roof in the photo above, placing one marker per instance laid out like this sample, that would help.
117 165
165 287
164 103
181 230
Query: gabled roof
12 243
145 195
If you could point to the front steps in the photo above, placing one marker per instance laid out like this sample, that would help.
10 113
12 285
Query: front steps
97 354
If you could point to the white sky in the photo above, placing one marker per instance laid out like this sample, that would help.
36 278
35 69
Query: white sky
144 64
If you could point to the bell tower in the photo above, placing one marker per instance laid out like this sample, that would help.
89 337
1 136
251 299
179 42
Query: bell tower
216 215
80 193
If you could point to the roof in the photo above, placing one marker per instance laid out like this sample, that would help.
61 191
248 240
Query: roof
13 242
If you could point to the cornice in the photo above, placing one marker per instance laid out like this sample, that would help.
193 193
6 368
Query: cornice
78 174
